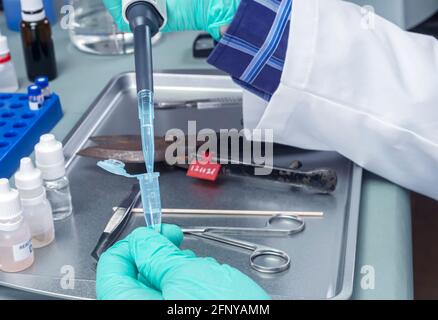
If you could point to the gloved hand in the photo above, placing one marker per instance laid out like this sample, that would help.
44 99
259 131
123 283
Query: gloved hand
202 15
150 266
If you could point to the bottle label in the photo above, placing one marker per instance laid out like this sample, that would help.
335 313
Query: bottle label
4 59
22 251
34 106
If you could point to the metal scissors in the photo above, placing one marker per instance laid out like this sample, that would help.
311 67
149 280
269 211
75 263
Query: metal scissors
281 260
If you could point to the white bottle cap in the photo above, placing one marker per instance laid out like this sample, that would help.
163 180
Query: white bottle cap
32 10
4 48
10 206
49 157
29 180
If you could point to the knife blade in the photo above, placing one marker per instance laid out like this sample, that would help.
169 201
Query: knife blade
117 223
127 148
117 154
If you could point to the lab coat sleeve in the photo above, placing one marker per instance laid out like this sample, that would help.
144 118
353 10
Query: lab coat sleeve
253 49
361 86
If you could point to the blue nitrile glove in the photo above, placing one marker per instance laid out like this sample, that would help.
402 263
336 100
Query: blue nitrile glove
149 266
202 15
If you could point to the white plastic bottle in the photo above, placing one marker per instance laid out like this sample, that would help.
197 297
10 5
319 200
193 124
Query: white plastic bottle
36 208
16 252
50 160
8 76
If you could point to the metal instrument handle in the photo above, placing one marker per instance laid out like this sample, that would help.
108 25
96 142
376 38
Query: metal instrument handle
269 230
257 251
224 240
242 231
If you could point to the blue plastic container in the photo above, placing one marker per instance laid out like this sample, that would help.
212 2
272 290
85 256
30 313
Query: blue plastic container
21 128
12 9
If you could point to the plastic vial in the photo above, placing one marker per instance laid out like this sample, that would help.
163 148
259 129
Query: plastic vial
150 196
36 208
16 252
50 160
35 96
43 83
36 37
8 76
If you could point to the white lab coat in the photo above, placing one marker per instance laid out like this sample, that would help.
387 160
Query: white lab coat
370 94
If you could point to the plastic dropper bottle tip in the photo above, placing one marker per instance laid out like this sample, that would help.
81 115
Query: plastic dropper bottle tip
4 186
26 165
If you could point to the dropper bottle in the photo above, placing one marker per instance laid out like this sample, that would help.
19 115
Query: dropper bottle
8 75
16 252
49 158
36 37
36 208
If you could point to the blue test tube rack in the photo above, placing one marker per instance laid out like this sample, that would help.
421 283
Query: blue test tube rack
21 128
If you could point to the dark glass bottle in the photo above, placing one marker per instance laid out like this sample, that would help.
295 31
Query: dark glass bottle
38 48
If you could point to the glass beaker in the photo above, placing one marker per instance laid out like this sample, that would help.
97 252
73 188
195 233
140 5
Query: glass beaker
94 31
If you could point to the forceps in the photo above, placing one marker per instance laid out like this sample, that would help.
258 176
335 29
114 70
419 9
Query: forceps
280 258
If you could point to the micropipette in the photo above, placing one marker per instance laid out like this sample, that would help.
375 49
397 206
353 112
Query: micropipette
145 18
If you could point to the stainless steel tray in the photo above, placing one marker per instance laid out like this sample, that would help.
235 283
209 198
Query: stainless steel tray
323 256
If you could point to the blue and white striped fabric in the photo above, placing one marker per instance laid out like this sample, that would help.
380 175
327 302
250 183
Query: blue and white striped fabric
254 48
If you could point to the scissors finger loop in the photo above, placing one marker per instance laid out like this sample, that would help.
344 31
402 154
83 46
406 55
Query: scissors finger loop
277 254
281 218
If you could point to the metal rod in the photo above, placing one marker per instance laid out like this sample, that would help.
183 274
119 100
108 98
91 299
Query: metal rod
234 212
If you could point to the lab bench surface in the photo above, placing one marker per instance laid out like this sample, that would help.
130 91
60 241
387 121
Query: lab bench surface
384 252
